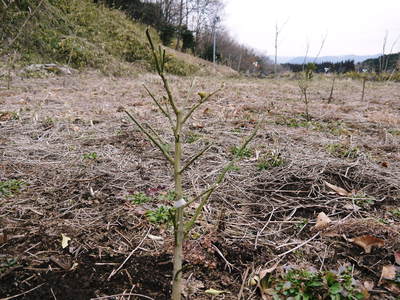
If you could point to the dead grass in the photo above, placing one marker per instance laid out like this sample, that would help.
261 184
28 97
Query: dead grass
254 218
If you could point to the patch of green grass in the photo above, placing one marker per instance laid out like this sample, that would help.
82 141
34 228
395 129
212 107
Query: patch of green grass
336 127
8 263
343 151
394 131
246 152
10 187
363 200
192 137
307 285
292 122
395 212
169 196
91 156
270 160
139 198
161 215
8 115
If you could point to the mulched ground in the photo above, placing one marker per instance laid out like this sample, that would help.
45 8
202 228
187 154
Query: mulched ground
79 159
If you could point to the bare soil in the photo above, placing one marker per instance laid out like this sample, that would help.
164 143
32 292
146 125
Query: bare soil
71 144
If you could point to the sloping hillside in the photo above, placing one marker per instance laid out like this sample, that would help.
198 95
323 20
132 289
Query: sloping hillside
80 34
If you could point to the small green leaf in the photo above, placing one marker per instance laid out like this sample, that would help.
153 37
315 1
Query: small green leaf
214 292
335 288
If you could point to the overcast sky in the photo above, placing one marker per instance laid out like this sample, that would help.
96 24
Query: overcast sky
351 26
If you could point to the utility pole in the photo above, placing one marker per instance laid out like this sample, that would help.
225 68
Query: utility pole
216 20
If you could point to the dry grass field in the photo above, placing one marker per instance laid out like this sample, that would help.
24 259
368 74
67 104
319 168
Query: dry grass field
72 164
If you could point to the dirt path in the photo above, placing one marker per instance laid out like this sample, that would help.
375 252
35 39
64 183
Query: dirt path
75 162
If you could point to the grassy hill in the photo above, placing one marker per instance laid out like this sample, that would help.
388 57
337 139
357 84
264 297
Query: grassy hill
80 34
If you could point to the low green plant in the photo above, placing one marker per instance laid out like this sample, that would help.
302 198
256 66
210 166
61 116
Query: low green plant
336 128
160 215
169 196
303 222
192 137
270 160
394 131
8 263
363 200
395 212
241 153
343 150
91 156
307 285
8 115
139 198
10 187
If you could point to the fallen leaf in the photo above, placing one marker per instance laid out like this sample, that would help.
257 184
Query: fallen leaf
388 272
390 278
156 238
63 262
322 221
367 242
214 292
368 285
397 257
352 206
393 287
384 164
340 191
196 126
264 283
64 240
191 287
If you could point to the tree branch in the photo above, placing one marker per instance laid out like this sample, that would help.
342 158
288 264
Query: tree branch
194 158
152 138
160 107
202 101
225 170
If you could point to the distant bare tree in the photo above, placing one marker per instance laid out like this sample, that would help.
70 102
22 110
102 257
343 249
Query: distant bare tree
277 33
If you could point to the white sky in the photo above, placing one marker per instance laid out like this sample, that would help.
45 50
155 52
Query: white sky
352 26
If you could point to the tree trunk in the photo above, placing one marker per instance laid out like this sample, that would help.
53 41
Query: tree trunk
178 40
179 222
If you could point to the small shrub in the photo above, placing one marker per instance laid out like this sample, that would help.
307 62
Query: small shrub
343 151
139 198
10 187
161 215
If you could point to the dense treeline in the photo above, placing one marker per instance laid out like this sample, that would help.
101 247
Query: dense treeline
189 26
339 67
384 63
